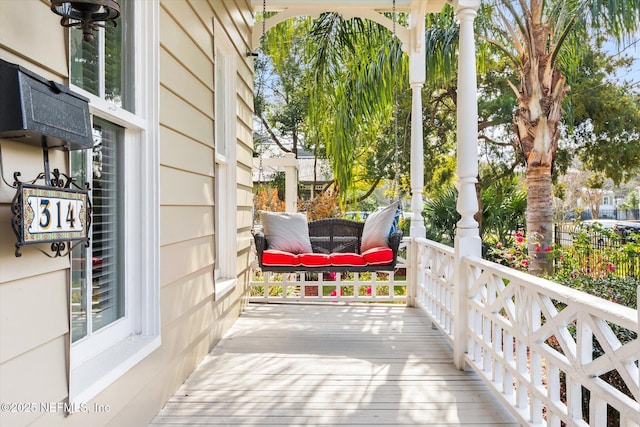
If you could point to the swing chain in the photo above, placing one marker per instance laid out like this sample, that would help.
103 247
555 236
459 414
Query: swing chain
264 16
261 182
394 17
396 157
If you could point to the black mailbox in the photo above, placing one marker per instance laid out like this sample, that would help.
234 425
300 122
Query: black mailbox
40 112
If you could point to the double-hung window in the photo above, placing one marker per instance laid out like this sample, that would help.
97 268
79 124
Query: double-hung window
115 279
225 161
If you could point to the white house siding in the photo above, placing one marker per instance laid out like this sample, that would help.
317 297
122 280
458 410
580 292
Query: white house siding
33 288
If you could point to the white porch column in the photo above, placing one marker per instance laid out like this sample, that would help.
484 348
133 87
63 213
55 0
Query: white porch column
417 75
290 183
467 240
290 165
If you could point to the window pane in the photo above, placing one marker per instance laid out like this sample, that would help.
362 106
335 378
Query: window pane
100 264
113 65
78 160
119 60
104 67
108 292
85 66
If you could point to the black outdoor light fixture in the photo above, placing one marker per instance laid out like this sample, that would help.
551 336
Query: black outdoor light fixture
86 14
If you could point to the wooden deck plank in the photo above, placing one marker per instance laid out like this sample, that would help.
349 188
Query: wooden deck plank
288 365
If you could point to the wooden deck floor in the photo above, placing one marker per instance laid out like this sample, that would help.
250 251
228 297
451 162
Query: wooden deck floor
336 365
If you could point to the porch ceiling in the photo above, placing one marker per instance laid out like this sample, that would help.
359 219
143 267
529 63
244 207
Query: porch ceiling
367 9
307 7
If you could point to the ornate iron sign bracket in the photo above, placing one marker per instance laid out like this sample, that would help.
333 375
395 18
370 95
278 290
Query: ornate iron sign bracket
58 212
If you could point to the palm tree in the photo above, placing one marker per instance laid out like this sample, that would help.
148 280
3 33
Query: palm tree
542 39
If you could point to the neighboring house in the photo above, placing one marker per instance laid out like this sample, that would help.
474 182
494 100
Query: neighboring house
309 171
596 202
604 204
112 339
312 174
608 205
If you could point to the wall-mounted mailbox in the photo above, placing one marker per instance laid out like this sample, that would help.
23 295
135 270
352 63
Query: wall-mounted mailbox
40 112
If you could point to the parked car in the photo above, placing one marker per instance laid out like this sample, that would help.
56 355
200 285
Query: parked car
356 215
597 229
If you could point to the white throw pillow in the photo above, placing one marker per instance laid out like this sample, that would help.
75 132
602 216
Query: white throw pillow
288 232
377 228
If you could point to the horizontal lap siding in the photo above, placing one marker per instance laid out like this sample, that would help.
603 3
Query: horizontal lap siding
33 304
182 117
179 299
238 20
32 340
182 188
191 319
30 32
181 152
32 311
181 259
36 376
183 224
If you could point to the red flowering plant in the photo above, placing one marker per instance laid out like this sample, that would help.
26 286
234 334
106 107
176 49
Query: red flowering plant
513 252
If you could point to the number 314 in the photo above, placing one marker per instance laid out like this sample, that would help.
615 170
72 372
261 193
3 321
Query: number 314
58 207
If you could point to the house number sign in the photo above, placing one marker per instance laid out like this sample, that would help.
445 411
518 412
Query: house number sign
50 215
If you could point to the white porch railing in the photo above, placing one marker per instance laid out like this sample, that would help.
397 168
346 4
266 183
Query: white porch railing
333 287
532 340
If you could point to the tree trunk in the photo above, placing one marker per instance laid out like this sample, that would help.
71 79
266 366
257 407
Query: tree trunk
539 219
537 120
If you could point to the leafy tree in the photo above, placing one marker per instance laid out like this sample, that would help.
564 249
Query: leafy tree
325 111
281 80
441 215
632 202
359 69
543 39
504 204
593 193
606 117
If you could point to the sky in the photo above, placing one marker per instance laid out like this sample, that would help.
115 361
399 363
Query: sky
630 48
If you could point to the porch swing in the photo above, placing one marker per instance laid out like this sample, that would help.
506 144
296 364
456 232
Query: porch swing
287 243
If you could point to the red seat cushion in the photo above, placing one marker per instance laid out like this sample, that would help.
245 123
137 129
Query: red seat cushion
380 255
314 260
275 257
347 259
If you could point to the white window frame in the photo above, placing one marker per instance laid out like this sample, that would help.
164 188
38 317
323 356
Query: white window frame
107 354
225 197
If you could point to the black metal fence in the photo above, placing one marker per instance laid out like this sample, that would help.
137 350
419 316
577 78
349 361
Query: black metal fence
595 250
604 213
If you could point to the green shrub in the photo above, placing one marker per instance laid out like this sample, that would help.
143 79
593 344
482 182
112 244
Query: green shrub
621 290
